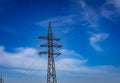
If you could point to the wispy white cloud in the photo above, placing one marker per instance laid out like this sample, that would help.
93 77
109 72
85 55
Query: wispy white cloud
80 3
69 64
115 3
86 13
95 39
16 59
111 10
24 61
90 19
35 64
68 53
58 21
27 58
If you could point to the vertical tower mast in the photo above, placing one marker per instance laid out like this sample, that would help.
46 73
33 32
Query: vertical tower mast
1 80
51 71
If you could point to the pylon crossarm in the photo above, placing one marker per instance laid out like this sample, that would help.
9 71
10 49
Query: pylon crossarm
57 53
45 52
42 37
56 39
57 46
46 38
51 45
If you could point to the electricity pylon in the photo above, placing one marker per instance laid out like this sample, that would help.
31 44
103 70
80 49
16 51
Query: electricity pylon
1 80
51 71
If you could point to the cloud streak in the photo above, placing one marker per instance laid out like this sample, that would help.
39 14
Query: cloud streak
58 21
90 18
95 39
111 10
35 64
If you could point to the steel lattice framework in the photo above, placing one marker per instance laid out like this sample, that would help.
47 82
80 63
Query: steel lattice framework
51 71
1 80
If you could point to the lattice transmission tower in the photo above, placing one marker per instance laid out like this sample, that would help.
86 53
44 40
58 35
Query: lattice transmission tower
51 71
1 79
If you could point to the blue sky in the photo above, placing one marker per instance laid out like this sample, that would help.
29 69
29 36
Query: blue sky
89 32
